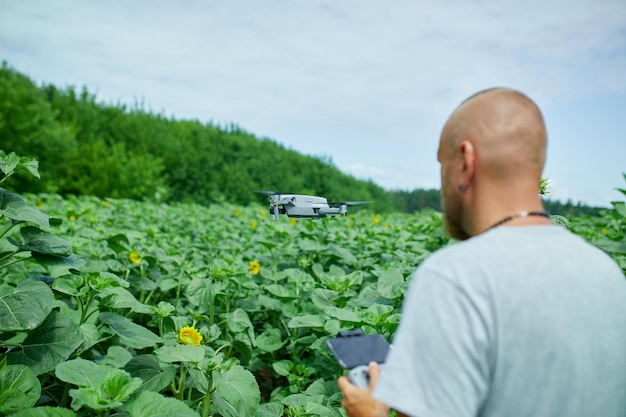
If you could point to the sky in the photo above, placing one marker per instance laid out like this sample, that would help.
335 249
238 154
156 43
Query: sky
367 84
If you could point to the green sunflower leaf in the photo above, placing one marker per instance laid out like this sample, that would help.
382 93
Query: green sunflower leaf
24 307
15 208
45 412
236 393
82 372
270 340
155 376
180 353
131 334
39 241
19 388
391 283
152 404
49 344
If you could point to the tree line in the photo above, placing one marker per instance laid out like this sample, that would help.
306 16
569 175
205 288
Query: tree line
113 150
120 151
418 199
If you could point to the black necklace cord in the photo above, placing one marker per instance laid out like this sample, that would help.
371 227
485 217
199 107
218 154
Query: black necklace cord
518 215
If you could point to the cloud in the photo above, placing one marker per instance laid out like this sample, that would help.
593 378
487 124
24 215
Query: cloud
364 171
303 53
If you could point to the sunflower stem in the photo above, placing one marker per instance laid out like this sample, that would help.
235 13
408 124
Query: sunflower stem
85 308
66 395
189 392
173 388
6 177
14 262
207 405
10 345
9 228
180 283
150 294
180 394
207 398
285 326
274 262
227 303
212 312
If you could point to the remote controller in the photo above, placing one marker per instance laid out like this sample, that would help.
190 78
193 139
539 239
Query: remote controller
360 376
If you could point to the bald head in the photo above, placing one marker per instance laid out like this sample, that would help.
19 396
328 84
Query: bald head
492 152
506 129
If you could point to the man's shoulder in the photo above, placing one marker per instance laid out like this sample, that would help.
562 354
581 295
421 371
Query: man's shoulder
512 245
504 237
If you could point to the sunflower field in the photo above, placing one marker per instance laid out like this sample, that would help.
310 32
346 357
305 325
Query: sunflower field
113 307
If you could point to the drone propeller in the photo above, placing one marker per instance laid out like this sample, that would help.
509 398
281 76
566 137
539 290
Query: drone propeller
274 197
266 192
349 203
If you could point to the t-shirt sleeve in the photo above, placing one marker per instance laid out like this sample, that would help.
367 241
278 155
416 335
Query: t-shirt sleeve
439 362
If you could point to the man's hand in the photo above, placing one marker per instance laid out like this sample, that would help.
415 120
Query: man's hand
359 402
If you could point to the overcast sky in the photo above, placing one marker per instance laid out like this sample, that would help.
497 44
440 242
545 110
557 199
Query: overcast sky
367 83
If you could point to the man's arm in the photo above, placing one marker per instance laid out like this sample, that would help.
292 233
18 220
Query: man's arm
439 364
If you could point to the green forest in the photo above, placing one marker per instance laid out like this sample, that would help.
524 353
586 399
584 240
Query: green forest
85 147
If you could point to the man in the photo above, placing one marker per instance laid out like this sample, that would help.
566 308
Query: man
523 318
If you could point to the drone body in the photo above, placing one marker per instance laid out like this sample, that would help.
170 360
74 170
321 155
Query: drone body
310 206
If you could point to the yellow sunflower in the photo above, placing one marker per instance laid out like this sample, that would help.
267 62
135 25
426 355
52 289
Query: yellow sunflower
189 335
134 257
253 224
255 267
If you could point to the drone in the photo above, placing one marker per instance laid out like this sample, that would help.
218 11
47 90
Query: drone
310 206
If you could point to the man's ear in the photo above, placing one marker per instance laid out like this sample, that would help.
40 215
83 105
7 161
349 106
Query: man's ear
468 159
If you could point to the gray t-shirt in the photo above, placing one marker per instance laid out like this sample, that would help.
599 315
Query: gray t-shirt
518 321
